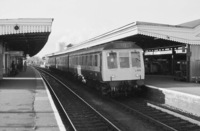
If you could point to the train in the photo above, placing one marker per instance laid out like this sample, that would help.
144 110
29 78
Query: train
113 68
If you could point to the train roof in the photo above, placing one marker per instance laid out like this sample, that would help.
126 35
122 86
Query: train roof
107 46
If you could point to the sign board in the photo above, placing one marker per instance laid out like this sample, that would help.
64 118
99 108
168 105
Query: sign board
14 53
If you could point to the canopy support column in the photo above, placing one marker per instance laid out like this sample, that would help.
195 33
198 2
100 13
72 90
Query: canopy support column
188 55
1 59
173 61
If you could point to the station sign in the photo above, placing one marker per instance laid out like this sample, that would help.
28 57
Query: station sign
14 53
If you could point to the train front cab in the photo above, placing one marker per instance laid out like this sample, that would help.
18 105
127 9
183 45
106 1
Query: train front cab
123 69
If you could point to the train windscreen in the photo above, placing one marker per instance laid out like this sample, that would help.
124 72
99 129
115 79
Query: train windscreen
136 61
124 59
112 60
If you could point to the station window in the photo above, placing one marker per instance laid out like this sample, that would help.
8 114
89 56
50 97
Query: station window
112 60
135 56
124 59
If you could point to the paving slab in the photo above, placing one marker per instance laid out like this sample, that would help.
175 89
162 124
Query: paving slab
25 104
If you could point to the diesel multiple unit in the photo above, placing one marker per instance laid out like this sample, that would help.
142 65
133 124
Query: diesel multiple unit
113 68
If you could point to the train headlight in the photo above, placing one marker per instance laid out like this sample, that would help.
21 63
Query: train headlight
137 75
113 76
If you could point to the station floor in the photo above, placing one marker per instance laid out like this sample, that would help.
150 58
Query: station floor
168 82
26 105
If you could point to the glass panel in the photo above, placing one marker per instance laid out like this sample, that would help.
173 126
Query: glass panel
135 56
124 59
76 60
87 60
84 60
112 60
95 60
81 60
90 60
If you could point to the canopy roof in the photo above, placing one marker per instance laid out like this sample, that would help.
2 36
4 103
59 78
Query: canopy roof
148 35
28 35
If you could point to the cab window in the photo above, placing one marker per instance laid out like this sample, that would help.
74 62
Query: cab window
124 59
112 60
135 56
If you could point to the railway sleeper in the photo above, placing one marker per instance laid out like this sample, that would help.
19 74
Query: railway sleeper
190 126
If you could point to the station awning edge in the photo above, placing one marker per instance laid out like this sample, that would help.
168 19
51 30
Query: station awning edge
28 34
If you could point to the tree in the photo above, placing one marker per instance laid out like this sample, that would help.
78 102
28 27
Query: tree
69 45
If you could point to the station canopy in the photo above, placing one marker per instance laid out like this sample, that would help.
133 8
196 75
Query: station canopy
148 35
27 35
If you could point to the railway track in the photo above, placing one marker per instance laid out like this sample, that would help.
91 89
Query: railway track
152 114
157 116
81 115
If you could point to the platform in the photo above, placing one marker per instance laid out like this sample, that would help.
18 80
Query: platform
181 95
168 82
25 104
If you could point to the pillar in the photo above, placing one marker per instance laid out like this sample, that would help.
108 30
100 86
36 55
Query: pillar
188 55
173 61
1 60
195 63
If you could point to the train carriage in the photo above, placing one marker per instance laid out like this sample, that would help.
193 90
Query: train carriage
114 68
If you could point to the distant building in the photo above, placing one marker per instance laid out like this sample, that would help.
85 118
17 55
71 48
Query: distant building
61 46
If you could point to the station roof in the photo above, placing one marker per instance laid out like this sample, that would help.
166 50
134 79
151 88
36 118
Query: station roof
28 34
148 35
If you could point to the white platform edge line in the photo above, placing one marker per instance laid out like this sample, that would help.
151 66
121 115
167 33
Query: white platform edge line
56 114
180 93
175 114
21 78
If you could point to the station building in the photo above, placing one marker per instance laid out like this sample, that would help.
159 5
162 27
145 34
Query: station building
21 38
168 49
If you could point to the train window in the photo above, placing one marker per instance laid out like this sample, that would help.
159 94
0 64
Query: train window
81 60
87 60
70 60
76 60
84 60
90 60
112 60
95 60
135 56
124 59
73 60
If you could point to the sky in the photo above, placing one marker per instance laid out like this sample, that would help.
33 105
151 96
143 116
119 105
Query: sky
78 20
